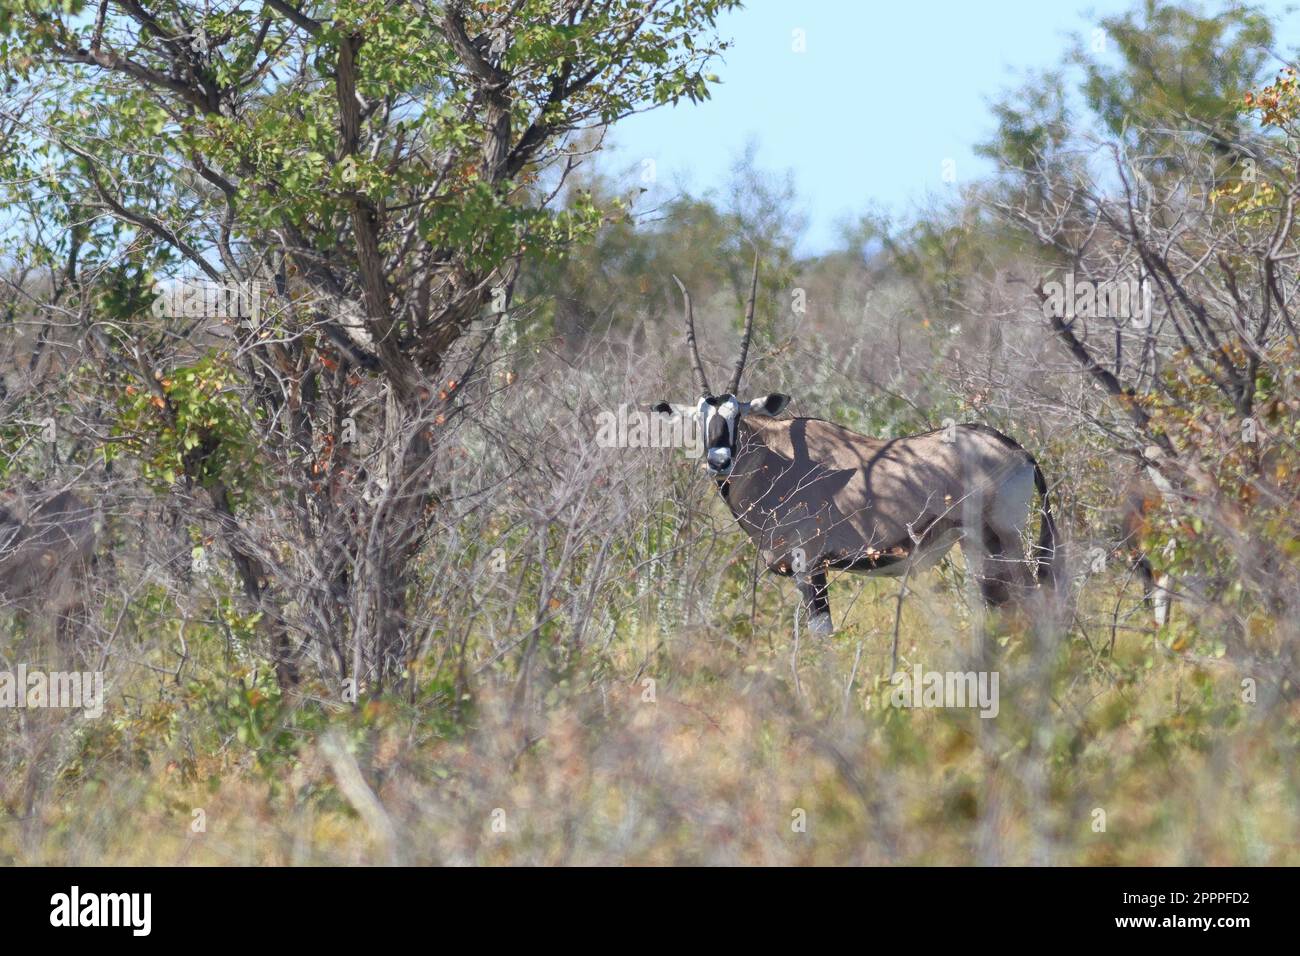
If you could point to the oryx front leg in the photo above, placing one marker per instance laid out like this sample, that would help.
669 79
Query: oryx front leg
816 606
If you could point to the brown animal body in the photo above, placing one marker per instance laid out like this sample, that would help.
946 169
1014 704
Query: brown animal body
43 558
814 496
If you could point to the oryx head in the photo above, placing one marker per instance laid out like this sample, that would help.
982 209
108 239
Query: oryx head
719 414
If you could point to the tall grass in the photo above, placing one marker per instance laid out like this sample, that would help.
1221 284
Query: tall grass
601 677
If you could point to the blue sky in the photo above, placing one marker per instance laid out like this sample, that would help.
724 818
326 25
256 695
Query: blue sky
884 93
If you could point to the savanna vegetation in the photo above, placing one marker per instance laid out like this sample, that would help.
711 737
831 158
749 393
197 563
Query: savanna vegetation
363 585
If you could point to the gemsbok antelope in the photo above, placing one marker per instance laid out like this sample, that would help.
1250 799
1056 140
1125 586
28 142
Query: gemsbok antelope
816 497
44 560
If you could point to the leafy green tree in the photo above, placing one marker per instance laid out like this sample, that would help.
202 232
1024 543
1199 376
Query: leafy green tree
383 167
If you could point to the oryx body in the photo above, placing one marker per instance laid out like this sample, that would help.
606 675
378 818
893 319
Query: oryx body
43 559
815 497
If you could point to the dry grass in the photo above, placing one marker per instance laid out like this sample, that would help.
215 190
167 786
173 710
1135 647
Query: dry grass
717 768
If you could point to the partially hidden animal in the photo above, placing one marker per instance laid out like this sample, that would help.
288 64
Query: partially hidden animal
815 497
43 557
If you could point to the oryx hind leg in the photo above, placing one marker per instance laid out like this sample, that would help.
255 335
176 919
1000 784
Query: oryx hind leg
816 606
1006 576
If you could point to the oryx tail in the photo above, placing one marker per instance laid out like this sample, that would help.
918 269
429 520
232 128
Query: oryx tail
1047 539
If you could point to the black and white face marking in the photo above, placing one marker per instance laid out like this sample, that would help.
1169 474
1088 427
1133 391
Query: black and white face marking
719 417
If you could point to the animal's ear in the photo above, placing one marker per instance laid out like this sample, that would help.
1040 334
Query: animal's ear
672 408
773 404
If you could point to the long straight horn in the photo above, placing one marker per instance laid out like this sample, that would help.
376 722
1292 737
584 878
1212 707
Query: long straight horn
749 331
697 365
